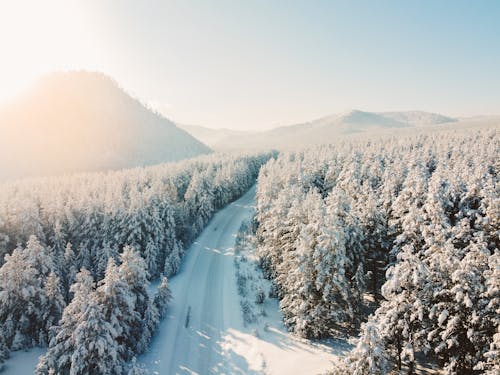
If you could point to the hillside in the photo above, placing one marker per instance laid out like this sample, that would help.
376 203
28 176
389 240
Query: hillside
83 121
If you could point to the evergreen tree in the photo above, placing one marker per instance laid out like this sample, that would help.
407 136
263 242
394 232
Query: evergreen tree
4 241
26 301
369 357
53 308
133 272
69 276
115 300
163 297
96 349
62 345
136 368
4 352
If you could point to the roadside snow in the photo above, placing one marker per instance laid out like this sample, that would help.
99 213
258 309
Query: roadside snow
264 341
22 362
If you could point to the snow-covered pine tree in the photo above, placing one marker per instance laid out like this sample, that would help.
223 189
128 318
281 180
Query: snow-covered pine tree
4 352
491 362
57 360
58 245
96 349
4 241
369 357
101 258
70 270
463 316
136 368
84 256
133 272
173 259
352 259
53 307
151 255
115 300
25 305
162 297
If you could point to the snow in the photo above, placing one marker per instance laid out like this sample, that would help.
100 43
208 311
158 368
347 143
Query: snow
275 351
204 332
22 362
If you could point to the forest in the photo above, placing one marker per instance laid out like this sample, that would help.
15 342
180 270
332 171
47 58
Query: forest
78 252
395 239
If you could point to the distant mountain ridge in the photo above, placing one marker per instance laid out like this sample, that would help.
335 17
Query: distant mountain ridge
416 118
322 130
359 120
83 121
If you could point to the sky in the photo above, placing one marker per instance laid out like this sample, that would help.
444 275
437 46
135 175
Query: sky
259 64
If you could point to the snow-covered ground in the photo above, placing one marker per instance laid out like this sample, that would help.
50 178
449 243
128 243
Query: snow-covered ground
204 332
22 362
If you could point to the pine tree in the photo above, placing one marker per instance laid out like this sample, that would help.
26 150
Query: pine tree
133 272
491 364
4 352
151 258
136 368
54 307
173 260
95 344
369 357
58 244
163 297
25 305
151 323
62 345
4 241
69 276
115 300
102 256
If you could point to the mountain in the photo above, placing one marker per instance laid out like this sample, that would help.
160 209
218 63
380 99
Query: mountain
419 118
323 130
83 121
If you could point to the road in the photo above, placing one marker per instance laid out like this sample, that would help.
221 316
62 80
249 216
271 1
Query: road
205 302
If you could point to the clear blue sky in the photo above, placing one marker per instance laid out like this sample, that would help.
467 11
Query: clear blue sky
257 64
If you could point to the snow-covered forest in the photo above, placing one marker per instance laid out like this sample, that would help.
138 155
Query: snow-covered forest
77 254
396 239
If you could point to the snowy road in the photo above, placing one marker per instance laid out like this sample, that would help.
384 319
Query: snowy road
205 302
204 333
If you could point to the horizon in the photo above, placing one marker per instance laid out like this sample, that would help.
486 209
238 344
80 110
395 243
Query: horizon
26 90
260 66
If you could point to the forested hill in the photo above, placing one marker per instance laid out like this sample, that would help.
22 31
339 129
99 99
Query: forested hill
83 121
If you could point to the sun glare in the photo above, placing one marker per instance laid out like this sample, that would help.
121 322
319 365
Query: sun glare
37 37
